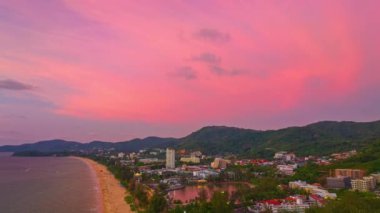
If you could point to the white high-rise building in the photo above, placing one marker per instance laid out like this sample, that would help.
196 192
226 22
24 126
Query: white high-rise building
170 158
364 185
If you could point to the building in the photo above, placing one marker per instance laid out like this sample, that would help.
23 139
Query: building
120 155
364 185
352 173
312 189
192 159
170 158
377 177
343 155
286 169
220 163
289 204
205 174
290 157
285 156
279 155
196 154
132 155
148 160
341 182
153 153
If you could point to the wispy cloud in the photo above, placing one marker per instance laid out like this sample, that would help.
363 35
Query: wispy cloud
212 35
225 72
185 72
9 84
207 58
13 116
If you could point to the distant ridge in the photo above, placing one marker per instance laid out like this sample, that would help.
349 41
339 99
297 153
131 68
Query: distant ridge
314 139
62 145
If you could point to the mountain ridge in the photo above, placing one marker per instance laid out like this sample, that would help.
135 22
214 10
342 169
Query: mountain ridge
318 138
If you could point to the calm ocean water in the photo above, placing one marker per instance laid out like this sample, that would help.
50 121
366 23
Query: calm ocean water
46 184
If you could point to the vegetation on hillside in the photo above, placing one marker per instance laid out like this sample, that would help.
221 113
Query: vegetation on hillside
367 159
316 139
350 202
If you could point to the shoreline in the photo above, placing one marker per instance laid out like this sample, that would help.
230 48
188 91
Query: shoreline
111 192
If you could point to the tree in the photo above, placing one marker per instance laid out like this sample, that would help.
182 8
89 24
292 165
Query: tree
220 202
157 204
202 195
163 187
141 195
266 188
350 202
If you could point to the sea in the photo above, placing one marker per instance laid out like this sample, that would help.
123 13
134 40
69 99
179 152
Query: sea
47 184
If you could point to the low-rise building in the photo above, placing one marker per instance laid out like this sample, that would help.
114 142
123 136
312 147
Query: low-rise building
149 160
377 177
352 173
220 163
341 182
292 204
343 155
313 189
287 169
191 159
121 155
132 155
196 154
203 174
285 156
279 155
127 162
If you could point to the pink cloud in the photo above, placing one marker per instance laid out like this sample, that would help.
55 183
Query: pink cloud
192 62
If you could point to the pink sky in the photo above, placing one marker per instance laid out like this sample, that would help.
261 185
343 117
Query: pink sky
120 69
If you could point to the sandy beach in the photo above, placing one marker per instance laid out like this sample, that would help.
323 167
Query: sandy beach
112 193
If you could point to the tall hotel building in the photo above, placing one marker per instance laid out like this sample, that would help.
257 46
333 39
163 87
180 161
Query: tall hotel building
170 158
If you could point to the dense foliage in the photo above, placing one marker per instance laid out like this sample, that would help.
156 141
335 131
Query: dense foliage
315 139
367 159
350 202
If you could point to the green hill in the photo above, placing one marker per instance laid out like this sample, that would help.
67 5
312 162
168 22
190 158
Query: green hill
315 139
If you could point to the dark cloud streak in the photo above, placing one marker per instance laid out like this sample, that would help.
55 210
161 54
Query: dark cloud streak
212 35
207 58
186 72
9 84
224 72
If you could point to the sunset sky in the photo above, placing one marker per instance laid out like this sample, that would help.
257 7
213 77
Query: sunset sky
114 70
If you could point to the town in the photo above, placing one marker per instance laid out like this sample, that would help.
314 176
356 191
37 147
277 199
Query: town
178 179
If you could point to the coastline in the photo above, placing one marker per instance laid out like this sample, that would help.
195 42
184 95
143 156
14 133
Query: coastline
111 193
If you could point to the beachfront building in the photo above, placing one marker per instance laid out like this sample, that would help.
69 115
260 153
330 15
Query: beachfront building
170 158
364 185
